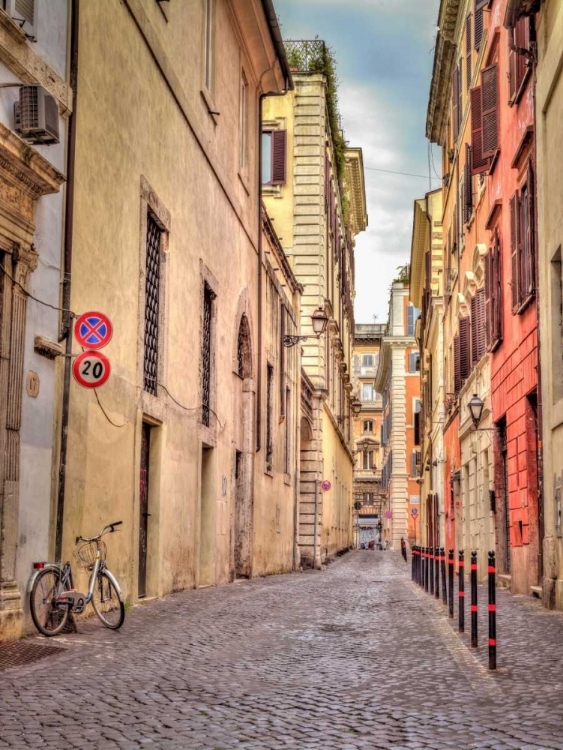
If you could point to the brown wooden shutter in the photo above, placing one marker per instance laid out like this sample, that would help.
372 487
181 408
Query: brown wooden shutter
278 156
489 81
468 51
467 185
327 181
478 162
488 297
531 232
474 331
455 103
457 365
496 291
459 94
479 6
514 224
482 328
464 348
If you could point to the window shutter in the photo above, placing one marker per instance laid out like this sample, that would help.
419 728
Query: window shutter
478 162
468 50
327 181
481 325
474 331
496 291
531 232
459 94
457 364
489 81
467 185
455 103
514 250
479 5
278 156
464 348
488 297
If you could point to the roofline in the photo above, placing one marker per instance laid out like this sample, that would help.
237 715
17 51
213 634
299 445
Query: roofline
277 40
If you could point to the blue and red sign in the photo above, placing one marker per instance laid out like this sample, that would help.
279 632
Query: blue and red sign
325 485
414 512
93 330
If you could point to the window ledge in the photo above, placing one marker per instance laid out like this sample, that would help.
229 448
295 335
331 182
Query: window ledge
269 471
525 304
287 479
274 191
210 105
8 23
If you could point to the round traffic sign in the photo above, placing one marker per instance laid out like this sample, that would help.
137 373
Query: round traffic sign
388 514
93 330
414 512
91 369
325 485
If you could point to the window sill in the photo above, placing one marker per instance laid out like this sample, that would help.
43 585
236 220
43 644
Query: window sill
525 304
269 471
274 191
210 105
287 479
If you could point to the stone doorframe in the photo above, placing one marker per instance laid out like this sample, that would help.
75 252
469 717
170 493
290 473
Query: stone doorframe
25 176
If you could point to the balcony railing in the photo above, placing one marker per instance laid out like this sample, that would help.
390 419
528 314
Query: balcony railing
306 56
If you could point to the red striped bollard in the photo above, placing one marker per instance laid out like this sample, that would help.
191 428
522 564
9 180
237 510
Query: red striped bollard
492 613
426 567
431 570
443 567
417 572
461 592
451 581
474 608
413 561
437 572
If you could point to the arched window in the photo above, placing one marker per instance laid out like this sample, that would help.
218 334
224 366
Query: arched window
368 425
244 356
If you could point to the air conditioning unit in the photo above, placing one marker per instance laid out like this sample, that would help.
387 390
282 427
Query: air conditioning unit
37 115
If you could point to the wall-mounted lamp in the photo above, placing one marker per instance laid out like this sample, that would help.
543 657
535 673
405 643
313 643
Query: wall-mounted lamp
319 320
475 407
356 405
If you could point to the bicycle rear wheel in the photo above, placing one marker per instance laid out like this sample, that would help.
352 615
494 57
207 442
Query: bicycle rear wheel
106 602
48 616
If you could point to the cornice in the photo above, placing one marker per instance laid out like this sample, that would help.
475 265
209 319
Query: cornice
26 167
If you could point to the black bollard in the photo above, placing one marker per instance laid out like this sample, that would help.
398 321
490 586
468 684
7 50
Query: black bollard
461 592
426 568
431 570
417 565
443 567
492 613
451 581
437 572
474 608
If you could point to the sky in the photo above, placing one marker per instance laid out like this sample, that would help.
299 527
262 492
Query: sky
384 51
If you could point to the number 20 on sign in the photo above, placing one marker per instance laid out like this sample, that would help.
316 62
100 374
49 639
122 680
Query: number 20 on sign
91 369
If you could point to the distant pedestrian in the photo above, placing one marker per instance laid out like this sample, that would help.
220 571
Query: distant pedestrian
404 549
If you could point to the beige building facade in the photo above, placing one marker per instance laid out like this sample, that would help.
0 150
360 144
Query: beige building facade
549 110
313 189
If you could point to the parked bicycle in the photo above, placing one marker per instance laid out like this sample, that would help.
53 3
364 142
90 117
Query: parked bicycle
53 596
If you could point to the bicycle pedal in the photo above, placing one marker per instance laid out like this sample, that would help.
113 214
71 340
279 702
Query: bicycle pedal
74 599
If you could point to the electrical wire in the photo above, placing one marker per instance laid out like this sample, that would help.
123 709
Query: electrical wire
391 171
28 294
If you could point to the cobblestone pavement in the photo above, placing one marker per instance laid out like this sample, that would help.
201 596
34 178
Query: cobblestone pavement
353 657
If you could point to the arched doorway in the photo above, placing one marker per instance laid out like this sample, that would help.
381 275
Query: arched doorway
244 453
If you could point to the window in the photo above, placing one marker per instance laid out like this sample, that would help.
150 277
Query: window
479 8
368 425
414 362
413 314
274 157
243 123
368 461
462 354
557 325
23 11
416 463
493 294
416 420
456 100
206 362
287 441
478 327
367 360
152 296
519 66
467 195
367 392
269 418
209 46
484 120
522 244
468 51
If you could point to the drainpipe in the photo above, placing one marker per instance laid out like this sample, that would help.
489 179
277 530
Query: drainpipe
66 330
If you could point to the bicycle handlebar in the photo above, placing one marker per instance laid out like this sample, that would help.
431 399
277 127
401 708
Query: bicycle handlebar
110 526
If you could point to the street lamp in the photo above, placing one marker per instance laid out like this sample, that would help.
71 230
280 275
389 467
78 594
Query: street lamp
475 407
319 320
356 405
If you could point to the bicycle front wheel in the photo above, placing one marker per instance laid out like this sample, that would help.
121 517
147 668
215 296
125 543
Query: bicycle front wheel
106 602
48 616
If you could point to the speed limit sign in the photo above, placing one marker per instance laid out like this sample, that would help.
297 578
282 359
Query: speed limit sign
91 369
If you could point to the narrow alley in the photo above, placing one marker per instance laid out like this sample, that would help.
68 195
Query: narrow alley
356 656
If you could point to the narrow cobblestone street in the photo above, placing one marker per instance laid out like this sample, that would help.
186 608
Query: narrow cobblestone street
353 657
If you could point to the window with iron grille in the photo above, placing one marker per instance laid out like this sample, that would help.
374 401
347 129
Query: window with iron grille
208 297
269 418
152 295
